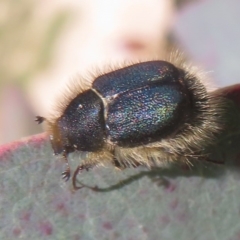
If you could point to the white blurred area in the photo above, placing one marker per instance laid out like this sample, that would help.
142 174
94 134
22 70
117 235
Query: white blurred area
44 44
97 33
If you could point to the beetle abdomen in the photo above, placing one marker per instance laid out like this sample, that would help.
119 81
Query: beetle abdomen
147 114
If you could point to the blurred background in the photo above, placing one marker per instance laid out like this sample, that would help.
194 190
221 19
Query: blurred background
43 44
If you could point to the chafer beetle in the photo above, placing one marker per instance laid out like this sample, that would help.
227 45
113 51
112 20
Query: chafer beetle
149 113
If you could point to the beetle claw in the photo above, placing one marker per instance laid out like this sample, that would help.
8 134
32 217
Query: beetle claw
66 175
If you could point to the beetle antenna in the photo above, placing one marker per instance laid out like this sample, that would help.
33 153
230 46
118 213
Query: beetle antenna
39 119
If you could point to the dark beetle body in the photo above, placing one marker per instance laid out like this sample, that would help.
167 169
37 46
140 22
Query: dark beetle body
144 114
129 108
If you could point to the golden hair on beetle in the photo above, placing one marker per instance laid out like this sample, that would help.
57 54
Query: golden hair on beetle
185 144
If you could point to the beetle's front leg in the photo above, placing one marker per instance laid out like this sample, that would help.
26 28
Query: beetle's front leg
67 173
92 160
76 172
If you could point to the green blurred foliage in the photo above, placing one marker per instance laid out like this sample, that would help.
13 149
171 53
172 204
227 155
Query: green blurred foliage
26 43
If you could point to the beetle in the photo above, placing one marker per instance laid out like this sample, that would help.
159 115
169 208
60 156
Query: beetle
148 113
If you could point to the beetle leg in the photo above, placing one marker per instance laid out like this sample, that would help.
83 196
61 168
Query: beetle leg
80 168
74 180
93 159
219 162
67 173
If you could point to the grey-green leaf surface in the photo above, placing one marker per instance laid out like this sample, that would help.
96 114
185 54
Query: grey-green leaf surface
178 202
